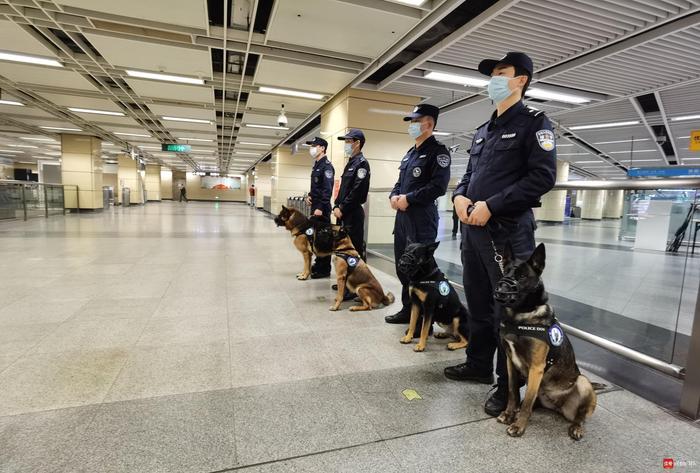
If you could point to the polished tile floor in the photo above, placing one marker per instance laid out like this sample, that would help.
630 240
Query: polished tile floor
175 338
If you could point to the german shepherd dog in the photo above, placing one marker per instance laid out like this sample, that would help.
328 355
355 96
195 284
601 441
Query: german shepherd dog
353 273
301 228
538 350
432 296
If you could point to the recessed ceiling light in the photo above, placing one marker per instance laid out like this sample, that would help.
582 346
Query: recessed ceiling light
251 143
456 79
269 127
165 77
188 120
621 141
132 134
244 152
636 151
639 160
573 154
539 93
13 151
149 147
96 112
23 146
11 102
291 93
414 3
587 162
31 138
59 128
563 145
14 57
604 125
686 117
193 139
441 133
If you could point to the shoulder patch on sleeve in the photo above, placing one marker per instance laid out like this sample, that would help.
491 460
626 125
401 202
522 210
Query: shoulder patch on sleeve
545 138
328 173
361 173
443 160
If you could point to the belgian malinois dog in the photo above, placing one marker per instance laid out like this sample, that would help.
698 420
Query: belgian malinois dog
538 350
353 273
432 297
303 230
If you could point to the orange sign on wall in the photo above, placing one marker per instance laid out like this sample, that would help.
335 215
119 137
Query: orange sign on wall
694 140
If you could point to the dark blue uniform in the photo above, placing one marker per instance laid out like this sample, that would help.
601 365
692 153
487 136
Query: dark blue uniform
512 163
321 190
354 186
423 176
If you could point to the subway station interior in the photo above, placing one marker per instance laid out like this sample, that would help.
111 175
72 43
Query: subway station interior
156 309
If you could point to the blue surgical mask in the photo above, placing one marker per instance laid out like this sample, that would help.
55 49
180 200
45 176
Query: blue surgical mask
414 130
348 149
498 88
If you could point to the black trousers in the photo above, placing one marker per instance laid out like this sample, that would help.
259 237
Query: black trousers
480 275
322 264
420 225
354 223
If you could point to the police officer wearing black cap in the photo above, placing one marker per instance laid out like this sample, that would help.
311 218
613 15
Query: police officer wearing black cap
354 186
319 197
423 177
512 163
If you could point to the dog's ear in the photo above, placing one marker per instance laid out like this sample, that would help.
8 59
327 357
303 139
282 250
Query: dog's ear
431 247
537 258
284 208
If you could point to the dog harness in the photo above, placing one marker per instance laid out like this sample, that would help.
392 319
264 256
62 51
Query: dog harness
438 288
351 260
553 335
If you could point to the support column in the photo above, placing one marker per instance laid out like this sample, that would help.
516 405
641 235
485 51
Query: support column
263 186
554 202
129 176
81 165
291 175
614 202
593 203
379 116
152 182
166 184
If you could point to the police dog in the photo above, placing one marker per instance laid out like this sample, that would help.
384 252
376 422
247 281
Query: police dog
432 296
302 229
538 350
353 273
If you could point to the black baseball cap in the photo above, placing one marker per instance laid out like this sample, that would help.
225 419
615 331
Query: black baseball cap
318 141
353 134
423 110
487 66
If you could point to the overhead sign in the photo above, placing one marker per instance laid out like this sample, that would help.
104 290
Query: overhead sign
694 140
176 148
672 171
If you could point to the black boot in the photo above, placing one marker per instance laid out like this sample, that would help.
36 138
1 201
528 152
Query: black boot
463 372
496 403
401 317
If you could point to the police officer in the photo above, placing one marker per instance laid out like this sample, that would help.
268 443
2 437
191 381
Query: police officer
319 197
423 177
354 186
512 163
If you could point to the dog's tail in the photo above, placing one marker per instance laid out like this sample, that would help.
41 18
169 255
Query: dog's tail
598 386
388 299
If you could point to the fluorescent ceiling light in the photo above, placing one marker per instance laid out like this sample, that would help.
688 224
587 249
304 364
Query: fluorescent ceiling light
59 128
23 146
244 152
269 127
251 143
543 94
635 151
149 147
132 134
31 138
588 162
291 93
96 112
572 154
456 79
5 56
563 144
165 77
620 141
691 159
639 160
415 3
11 102
441 133
604 125
188 120
13 151
194 139
686 117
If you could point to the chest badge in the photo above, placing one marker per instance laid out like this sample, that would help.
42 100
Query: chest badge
444 288
417 171
507 136
328 174
556 335
361 173
309 231
545 138
352 262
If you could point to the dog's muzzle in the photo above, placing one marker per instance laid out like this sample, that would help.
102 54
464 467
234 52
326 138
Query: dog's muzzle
507 290
408 264
323 241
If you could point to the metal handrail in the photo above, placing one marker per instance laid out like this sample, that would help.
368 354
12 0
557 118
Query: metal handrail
22 186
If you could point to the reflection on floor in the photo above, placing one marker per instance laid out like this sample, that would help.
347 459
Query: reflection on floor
175 338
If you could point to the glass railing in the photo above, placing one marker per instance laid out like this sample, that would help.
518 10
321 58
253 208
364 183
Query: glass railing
24 200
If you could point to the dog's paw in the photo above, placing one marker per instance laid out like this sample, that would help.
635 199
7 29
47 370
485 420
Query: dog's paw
302 277
333 308
406 339
576 431
442 335
419 347
456 345
515 430
506 417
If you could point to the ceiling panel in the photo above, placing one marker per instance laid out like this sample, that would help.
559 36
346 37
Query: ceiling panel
466 118
300 77
164 90
182 112
274 102
186 13
14 38
44 75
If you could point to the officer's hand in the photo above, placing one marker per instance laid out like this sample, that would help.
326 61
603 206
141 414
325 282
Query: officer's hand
308 199
393 201
461 204
402 202
318 212
480 215
338 214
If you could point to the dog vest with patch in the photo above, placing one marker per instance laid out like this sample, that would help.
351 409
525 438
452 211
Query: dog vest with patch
439 288
553 335
352 261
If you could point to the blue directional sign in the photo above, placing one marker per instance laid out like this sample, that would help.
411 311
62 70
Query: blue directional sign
671 171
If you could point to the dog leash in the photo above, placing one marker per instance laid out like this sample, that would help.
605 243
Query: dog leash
497 257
